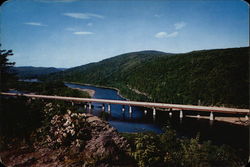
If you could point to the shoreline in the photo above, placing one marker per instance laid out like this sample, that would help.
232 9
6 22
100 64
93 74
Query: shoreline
232 120
99 86
91 92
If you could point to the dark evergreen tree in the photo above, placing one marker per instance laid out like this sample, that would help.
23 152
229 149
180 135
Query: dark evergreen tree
6 77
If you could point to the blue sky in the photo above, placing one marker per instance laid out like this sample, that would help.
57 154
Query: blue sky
68 33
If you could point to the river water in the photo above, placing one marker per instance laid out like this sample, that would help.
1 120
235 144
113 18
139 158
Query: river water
122 122
218 132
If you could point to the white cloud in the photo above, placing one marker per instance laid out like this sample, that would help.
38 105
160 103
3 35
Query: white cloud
83 33
166 35
173 34
35 24
179 25
83 15
90 24
161 35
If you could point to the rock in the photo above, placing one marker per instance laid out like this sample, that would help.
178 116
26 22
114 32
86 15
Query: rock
102 147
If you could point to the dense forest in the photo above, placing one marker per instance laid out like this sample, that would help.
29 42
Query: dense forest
33 72
211 77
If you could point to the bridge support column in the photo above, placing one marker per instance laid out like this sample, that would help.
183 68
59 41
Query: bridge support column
89 106
181 114
211 117
123 110
145 112
154 113
103 107
130 111
109 109
170 114
72 103
246 118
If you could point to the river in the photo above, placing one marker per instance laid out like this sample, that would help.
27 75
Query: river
217 132
123 123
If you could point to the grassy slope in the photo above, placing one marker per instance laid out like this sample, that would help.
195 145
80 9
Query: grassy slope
215 77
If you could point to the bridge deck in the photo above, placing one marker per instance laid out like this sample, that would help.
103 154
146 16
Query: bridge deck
141 104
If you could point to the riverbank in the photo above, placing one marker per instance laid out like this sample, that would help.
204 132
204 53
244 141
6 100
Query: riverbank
233 120
89 91
99 86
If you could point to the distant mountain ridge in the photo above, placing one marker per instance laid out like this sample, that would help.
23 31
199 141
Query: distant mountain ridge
34 72
213 77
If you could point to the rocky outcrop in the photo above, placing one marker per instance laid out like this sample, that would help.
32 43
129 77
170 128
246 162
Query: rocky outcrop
106 145
74 139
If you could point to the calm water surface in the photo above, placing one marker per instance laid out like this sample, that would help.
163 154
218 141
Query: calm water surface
123 123
218 132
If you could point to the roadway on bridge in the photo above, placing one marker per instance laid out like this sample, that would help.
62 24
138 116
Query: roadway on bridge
141 104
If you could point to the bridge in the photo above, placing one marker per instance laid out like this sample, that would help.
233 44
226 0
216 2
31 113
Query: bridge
170 107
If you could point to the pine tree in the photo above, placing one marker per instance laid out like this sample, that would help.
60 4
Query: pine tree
6 77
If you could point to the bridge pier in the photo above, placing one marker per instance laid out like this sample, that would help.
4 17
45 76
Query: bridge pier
103 107
181 114
211 122
123 110
72 103
154 113
211 117
130 111
89 106
170 112
109 109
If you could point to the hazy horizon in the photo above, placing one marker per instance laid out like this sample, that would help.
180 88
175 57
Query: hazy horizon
69 33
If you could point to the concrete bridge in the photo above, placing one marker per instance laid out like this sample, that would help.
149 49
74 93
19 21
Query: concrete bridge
170 107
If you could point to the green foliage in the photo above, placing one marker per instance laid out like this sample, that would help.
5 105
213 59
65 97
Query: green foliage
194 155
6 77
19 117
147 151
167 149
70 129
50 88
215 77
33 72
108 72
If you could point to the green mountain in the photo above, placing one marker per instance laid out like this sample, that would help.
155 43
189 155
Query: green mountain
33 72
109 71
212 77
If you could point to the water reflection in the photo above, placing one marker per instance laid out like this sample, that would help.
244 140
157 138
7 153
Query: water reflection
145 120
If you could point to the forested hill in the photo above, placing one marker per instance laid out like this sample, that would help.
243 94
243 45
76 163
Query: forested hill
34 72
108 71
213 77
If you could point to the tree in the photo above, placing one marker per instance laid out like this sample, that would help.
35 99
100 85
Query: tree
6 77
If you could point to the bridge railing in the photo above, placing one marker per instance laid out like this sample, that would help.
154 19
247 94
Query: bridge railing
179 107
